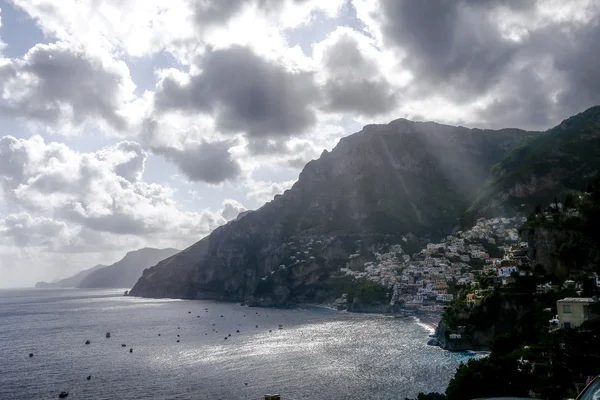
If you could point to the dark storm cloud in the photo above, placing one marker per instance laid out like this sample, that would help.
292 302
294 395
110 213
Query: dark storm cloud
363 96
244 93
449 43
579 63
560 77
208 162
523 102
53 76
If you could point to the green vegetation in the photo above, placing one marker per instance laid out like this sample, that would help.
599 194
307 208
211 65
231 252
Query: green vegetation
368 292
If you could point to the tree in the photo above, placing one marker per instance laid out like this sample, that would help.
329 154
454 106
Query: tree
431 396
569 200
589 287
489 377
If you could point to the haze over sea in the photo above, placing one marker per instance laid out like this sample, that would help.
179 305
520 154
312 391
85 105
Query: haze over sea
319 353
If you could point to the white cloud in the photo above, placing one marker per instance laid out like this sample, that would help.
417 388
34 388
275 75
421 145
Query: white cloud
181 27
134 27
262 191
231 209
101 191
26 231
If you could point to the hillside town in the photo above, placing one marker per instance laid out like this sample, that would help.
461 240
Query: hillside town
426 281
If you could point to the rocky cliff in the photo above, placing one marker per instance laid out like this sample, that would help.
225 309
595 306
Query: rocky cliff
125 272
375 188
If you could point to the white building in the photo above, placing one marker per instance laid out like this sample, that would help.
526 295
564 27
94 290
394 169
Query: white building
444 297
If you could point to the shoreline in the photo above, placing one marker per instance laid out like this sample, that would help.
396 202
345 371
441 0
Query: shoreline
431 320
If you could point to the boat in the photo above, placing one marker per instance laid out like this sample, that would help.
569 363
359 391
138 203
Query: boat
107 335
63 395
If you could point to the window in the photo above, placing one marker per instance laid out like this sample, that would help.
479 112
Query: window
567 325
567 308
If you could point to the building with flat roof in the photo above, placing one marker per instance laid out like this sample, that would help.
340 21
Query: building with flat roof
573 311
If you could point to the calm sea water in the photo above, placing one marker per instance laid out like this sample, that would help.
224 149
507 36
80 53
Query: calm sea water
319 353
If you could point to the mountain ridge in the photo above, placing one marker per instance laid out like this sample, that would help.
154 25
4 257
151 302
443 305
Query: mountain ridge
562 160
375 187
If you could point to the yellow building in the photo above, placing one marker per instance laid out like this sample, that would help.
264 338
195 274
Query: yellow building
573 311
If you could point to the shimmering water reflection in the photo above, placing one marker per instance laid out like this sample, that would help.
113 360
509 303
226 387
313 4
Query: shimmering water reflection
319 353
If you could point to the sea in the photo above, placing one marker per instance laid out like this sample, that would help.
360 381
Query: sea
225 350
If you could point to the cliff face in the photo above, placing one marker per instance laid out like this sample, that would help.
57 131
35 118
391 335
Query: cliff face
372 188
544 248
124 273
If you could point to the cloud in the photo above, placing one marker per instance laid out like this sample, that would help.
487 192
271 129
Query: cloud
262 191
136 27
209 162
142 28
231 209
579 65
99 191
523 99
28 231
364 96
449 43
59 84
354 80
490 63
244 93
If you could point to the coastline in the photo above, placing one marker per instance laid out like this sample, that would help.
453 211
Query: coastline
430 319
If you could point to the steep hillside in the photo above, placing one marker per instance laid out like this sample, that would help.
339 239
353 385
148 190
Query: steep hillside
124 273
377 187
563 159
69 282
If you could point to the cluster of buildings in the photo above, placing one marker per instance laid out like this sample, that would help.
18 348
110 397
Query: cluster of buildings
426 280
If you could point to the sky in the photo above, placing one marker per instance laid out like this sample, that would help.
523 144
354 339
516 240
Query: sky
150 123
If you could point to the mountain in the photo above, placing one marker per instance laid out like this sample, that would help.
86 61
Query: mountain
70 282
124 273
387 184
562 160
